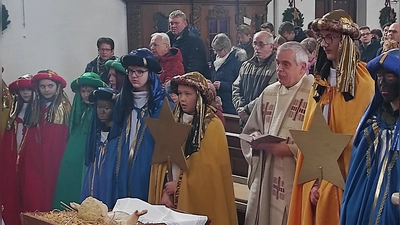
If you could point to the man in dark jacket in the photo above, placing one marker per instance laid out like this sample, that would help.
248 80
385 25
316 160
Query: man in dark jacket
244 36
105 48
368 46
192 47
291 33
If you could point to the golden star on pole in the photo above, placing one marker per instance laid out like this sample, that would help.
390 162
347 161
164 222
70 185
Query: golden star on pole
321 150
169 137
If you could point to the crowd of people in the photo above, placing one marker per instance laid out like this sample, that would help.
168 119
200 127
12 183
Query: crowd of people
101 146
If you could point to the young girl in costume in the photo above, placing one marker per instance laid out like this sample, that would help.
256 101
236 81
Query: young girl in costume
207 189
13 143
126 168
100 125
40 161
72 169
116 74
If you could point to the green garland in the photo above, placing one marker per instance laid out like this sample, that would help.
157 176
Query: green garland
387 15
294 16
5 20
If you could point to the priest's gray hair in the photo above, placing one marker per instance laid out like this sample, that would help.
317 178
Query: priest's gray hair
300 51
164 37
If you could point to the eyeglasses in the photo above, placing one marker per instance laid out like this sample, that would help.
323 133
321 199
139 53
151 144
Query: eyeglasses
328 39
260 44
365 34
138 73
104 49
217 50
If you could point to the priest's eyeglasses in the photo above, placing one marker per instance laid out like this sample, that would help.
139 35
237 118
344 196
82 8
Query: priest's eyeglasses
138 73
328 39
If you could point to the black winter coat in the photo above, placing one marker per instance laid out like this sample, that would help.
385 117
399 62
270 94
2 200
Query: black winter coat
193 51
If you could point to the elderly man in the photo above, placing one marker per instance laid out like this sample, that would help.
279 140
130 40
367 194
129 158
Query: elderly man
343 89
254 75
192 47
169 58
274 163
393 32
366 200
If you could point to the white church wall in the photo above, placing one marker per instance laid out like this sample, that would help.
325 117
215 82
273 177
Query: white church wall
59 35
277 7
373 8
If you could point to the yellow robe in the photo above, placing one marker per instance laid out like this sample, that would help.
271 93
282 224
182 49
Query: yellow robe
208 187
343 118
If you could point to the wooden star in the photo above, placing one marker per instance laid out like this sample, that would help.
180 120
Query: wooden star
321 149
169 137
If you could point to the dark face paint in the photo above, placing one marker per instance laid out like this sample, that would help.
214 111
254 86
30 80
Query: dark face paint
389 85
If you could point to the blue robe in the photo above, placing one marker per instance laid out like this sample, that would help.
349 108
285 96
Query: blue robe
122 176
91 185
131 173
366 167
375 164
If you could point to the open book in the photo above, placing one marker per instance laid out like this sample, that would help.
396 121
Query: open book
269 138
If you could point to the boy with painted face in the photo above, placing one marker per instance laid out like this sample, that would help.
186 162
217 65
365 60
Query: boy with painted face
96 144
12 144
72 167
40 161
375 167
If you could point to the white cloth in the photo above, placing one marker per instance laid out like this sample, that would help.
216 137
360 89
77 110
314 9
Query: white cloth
155 213
332 82
220 60
140 99
270 180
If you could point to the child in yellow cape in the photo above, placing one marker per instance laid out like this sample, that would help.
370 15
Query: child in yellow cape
207 189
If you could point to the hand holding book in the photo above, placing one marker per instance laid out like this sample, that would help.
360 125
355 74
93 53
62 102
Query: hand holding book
264 138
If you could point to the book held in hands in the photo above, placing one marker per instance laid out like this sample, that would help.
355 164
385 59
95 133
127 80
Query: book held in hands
265 138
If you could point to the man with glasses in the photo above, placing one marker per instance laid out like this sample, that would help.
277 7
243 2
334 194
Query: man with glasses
255 74
343 89
369 46
105 48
